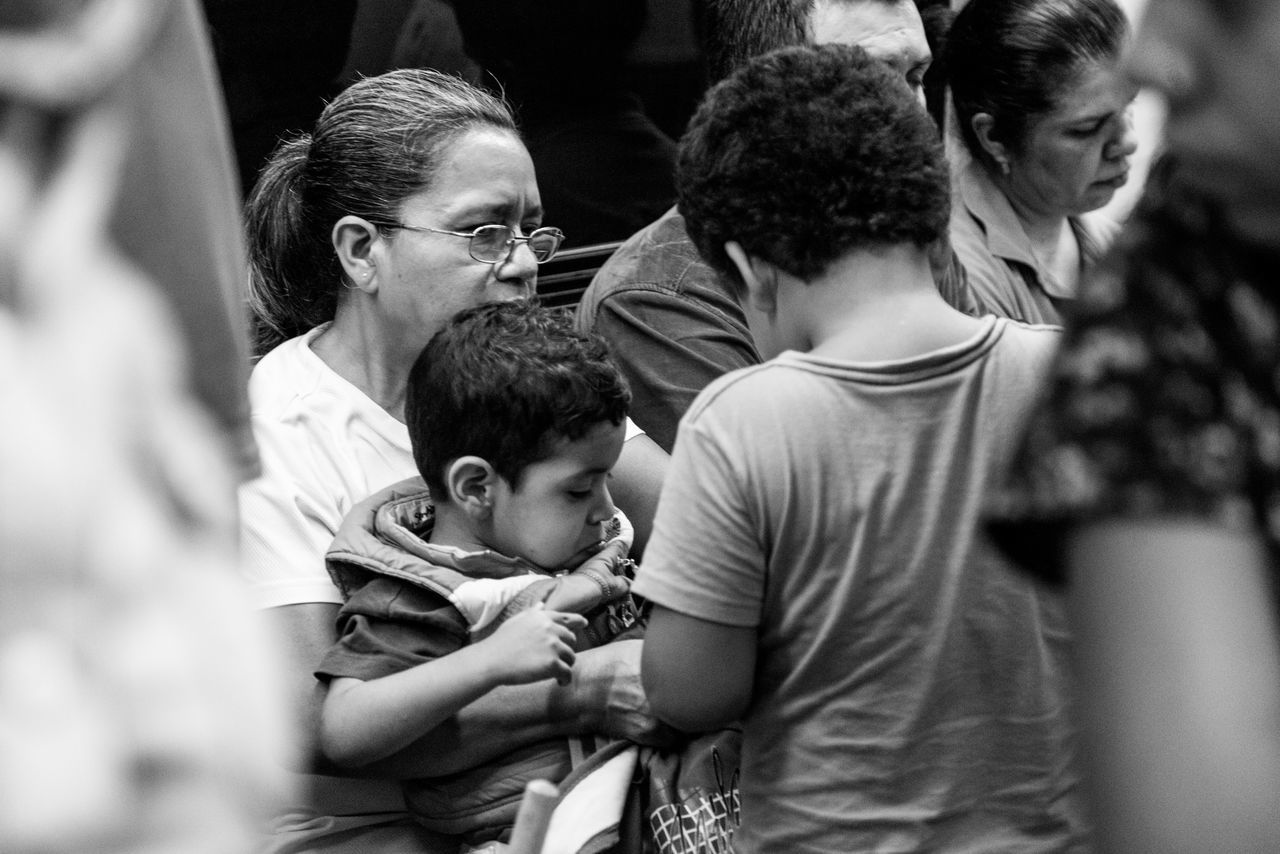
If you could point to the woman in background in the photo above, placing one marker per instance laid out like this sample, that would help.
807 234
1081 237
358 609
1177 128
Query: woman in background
1042 109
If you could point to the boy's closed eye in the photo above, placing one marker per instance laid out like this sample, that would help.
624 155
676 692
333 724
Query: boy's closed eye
584 490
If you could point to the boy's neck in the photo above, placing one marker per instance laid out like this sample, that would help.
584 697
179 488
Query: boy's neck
455 528
879 305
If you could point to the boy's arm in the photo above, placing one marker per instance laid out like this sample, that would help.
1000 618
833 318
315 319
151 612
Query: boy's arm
604 697
698 674
362 722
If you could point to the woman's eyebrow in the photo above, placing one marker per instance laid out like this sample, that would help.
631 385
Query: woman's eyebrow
486 210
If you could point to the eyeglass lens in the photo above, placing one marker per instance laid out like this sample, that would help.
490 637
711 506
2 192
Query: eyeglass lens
492 243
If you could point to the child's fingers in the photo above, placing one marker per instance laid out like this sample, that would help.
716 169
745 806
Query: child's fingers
564 667
567 619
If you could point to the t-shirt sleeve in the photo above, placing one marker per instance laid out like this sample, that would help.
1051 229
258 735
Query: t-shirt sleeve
388 626
669 347
705 558
284 532
1149 413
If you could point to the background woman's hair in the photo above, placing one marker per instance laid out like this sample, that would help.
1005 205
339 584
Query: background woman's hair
806 153
376 144
1012 59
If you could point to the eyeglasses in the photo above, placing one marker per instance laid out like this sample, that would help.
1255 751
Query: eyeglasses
490 244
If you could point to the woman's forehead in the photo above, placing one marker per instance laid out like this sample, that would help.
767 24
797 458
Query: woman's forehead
483 171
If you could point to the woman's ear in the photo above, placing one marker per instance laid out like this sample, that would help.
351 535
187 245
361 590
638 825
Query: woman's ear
470 481
355 240
758 276
984 126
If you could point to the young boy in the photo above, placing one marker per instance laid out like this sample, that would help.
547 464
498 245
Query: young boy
815 565
458 587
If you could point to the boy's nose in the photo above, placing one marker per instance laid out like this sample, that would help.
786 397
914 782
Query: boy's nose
604 509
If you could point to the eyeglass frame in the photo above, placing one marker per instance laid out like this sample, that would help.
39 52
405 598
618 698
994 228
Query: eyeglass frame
510 244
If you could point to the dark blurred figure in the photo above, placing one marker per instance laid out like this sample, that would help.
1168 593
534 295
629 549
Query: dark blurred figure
279 62
1150 481
604 167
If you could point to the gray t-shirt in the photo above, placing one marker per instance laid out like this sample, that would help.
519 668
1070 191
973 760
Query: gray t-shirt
910 690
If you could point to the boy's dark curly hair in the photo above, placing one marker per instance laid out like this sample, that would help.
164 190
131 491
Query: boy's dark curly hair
806 153
507 381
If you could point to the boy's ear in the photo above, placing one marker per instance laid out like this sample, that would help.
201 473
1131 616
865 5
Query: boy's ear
355 241
759 276
470 481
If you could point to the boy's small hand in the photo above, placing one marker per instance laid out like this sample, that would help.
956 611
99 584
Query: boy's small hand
536 644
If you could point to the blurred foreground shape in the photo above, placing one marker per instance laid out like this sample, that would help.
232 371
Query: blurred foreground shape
137 710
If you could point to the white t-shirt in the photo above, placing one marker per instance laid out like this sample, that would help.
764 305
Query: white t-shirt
324 445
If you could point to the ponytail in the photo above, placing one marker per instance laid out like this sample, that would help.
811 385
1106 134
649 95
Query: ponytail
286 261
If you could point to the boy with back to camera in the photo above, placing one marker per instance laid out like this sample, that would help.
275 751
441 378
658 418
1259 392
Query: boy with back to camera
815 566
457 587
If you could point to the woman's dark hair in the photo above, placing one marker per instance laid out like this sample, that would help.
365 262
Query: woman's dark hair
1012 59
806 153
507 381
377 143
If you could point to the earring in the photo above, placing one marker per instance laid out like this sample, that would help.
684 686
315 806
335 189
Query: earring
349 284
1004 166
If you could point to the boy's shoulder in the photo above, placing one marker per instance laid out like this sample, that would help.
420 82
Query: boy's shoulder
1028 345
750 386
794 379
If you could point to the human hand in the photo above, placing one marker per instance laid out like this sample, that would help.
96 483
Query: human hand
535 644
610 698
602 578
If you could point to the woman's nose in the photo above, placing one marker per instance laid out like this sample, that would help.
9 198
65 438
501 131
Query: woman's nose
519 267
1125 141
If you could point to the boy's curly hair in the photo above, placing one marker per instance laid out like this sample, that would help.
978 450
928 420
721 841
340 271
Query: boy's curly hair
506 382
806 153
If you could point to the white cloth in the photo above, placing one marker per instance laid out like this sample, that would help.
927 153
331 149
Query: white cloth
324 445
910 690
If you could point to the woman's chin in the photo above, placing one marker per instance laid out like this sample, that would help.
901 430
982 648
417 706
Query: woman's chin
1100 194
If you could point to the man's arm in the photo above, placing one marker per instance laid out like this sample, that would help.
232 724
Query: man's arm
698 674
1179 652
671 346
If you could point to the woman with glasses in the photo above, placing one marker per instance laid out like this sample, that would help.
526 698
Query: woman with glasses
414 198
